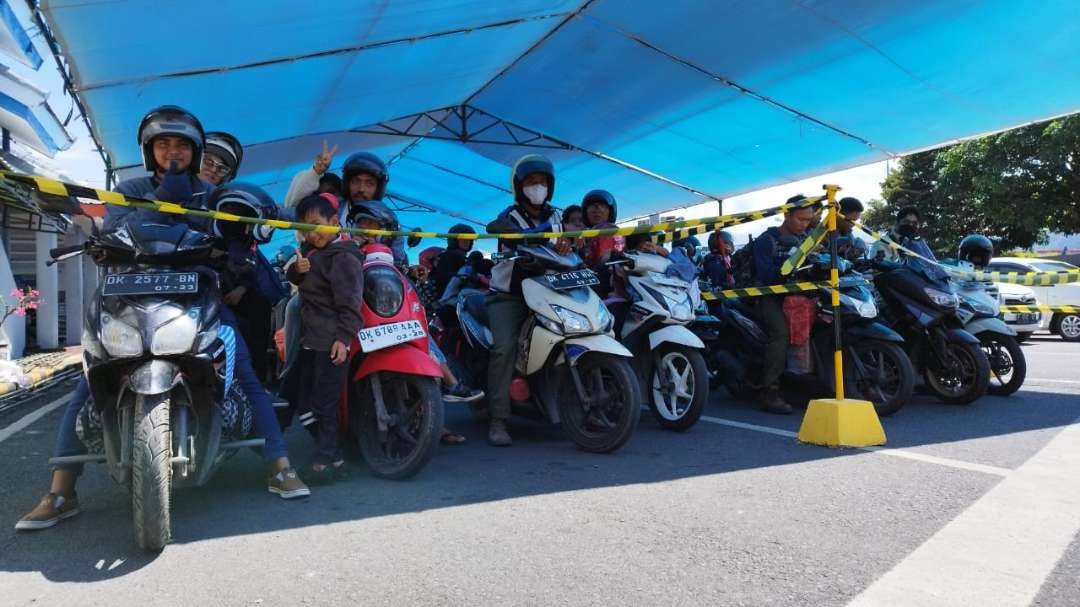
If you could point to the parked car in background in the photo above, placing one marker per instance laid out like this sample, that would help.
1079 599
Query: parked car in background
1024 323
1066 325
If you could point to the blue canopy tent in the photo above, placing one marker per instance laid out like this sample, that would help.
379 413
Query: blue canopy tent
665 104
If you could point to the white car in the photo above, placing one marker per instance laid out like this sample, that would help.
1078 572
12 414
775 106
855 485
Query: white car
1065 325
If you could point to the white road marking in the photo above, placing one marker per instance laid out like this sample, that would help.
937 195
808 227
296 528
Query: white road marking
1001 549
30 418
1041 380
911 455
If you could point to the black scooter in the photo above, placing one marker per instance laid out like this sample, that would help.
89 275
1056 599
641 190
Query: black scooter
918 301
877 368
165 409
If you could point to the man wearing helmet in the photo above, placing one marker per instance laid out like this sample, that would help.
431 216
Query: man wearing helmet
172 143
221 158
533 181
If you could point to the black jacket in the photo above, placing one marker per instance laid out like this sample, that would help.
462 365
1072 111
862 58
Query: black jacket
331 294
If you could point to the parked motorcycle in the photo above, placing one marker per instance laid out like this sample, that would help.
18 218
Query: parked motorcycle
667 355
918 301
569 369
876 369
978 311
165 409
393 406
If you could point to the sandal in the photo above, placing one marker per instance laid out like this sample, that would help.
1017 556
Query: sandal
451 438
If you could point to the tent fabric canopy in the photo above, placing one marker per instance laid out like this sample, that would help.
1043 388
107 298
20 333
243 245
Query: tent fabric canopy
663 103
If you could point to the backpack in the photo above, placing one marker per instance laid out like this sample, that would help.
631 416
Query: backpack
742 265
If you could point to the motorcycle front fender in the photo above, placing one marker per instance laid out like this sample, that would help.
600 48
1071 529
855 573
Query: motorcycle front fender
873 330
960 335
154 377
989 325
577 346
675 334
402 358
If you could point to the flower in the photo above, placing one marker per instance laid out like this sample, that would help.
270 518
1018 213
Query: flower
20 312
16 293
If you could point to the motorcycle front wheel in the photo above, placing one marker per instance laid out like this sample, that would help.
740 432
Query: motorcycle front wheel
679 387
606 421
151 472
883 375
1008 368
415 418
964 376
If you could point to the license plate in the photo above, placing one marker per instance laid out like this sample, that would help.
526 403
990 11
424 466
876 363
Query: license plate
1027 319
572 280
151 284
384 336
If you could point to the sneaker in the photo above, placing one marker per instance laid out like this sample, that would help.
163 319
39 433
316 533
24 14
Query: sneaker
497 434
288 485
771 402
50 510
460 393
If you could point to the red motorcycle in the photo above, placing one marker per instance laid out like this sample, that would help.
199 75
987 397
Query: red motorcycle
393 405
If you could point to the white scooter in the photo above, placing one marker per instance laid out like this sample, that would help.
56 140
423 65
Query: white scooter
979 303
569 369
668 357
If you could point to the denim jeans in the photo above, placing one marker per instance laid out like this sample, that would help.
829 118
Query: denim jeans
266 423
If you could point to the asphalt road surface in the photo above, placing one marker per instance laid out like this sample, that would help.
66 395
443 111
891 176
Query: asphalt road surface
975 505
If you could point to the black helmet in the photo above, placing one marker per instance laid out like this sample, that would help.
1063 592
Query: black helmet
977 249
246 200
602 197
365 162
527 165
459 228
374 210
228 148
177 122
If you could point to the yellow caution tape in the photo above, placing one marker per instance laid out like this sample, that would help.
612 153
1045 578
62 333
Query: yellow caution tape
1041 308
812 240
58 188
1030 279
784 289
728 221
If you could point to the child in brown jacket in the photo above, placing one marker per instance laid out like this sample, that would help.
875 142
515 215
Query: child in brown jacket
329 277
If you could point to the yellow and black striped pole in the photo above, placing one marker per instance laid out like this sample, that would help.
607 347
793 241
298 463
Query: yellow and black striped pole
834 282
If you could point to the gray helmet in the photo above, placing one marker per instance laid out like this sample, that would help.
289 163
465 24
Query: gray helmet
228 148
175 121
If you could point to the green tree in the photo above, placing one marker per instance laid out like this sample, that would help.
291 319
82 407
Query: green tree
1014 187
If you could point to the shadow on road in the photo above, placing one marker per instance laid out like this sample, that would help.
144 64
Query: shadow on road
98 545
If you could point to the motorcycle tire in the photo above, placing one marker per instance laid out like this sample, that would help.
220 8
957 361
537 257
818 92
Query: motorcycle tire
591 429
898 371
976 368
688 367
409 445
151 472
1008 367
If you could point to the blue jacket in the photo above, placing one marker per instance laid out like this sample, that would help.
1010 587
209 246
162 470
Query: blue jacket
770 250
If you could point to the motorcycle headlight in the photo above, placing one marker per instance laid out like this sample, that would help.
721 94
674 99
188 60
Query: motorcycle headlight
383 291
177 335
91 344
549 324
941 298
681 310
605 318
865 307
572 321
119 338
980 307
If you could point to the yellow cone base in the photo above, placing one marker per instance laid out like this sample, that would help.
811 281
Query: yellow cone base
841 423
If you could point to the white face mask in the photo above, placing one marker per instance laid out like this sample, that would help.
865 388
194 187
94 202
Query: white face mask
536 194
